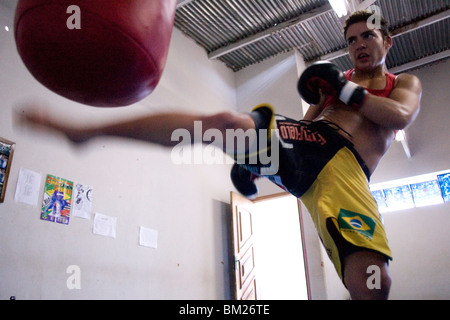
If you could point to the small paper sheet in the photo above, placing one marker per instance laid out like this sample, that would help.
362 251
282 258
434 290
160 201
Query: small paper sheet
148 238
105 225
82 202
28 185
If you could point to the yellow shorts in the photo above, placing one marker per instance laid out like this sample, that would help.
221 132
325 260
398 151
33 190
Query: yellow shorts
342 206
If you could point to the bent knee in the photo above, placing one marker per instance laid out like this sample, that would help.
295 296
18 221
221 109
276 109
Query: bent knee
369 287
386 282
228 120
367 276
382 289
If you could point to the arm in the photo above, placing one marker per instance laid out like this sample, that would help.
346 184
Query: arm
395 112
315 110
400 109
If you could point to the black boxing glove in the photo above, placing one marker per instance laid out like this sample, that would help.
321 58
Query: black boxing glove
331 81
243 181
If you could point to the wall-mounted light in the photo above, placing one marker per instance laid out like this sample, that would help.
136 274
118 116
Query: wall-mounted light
339 6
400 136
344 7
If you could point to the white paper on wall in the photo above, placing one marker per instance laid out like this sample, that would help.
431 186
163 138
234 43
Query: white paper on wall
105 225
148 238
82 202
28 185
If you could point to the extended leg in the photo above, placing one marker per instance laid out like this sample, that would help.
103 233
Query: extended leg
154 128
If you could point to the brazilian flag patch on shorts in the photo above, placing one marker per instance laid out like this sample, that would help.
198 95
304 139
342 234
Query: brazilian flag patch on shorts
352 221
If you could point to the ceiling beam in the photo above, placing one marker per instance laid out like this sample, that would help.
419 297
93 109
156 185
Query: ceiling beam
420 62
268 32
365 4
421 23
398 32
182 3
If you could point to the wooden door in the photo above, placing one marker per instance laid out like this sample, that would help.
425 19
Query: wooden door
244 255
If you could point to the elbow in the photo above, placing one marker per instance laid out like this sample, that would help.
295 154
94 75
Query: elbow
228 121
404 119
401 123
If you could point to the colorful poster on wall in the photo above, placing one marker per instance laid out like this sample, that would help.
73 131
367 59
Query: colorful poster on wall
57 200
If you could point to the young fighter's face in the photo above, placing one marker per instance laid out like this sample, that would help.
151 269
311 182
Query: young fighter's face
367 47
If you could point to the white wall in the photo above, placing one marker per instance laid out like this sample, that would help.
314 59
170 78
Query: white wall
272 81
418 237
133 181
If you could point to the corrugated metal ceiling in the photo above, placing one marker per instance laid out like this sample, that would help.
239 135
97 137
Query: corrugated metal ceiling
243 32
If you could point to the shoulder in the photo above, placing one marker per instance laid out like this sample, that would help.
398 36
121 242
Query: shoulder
408 81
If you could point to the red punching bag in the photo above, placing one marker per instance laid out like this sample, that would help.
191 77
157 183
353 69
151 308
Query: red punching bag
104 53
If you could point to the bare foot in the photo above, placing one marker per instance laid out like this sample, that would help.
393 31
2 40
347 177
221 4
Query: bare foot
39 118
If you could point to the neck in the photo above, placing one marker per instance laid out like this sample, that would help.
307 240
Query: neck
371 74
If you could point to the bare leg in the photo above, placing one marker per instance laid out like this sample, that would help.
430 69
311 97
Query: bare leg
357 274
154 128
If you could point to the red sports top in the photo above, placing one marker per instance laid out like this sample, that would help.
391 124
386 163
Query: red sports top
390 81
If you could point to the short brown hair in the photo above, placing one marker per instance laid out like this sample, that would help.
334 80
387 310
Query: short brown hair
364 16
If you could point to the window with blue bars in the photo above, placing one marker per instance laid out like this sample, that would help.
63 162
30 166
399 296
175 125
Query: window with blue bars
419 191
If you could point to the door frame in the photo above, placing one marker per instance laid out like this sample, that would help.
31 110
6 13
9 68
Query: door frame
302 234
